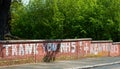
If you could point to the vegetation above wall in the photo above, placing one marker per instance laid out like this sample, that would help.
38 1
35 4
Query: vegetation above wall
58 19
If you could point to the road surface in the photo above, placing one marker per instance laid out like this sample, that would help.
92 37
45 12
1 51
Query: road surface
72 64
116 66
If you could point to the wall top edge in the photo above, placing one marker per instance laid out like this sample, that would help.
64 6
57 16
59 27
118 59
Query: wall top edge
102 41
45 40
116 42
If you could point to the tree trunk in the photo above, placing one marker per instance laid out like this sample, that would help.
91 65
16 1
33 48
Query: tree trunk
4 17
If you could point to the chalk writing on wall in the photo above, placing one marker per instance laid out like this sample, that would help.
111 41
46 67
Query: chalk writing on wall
20 49
96 48
50 47
86 48
68 47
82 48
114 49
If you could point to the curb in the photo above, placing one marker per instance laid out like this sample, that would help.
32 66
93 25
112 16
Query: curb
97 65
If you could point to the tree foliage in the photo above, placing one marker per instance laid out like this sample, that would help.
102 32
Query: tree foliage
57 19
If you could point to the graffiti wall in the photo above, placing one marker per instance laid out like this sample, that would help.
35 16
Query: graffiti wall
42 50
101 48
115 49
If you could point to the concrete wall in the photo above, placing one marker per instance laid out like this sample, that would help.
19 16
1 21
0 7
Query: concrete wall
30 51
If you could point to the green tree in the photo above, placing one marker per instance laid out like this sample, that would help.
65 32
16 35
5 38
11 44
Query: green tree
51 19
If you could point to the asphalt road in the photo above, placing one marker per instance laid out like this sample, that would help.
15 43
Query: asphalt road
116 66
70 64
